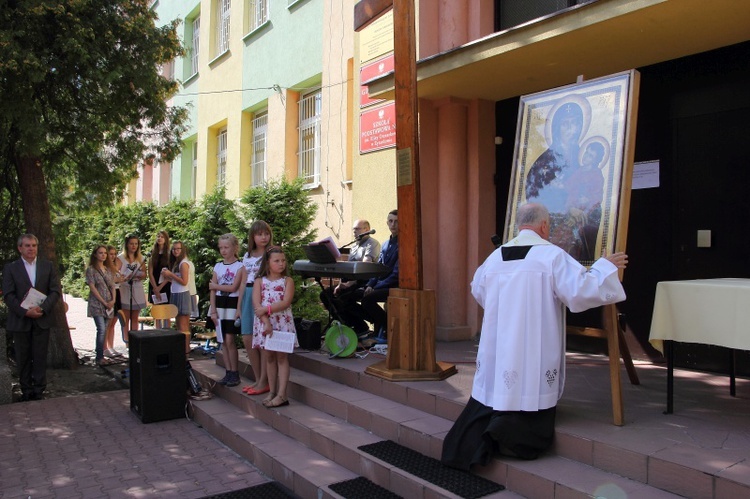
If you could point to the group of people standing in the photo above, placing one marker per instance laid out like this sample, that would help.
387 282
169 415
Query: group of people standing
251 296
117 294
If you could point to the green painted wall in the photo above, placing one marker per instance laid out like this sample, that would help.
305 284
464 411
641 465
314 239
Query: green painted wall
285 51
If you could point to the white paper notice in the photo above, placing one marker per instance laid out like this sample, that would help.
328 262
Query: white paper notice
646 174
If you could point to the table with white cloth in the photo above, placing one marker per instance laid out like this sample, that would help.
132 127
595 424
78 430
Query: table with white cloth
706 311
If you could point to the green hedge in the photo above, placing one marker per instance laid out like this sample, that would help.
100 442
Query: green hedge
284 205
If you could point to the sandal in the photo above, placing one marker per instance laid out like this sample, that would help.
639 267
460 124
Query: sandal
276 402
269 399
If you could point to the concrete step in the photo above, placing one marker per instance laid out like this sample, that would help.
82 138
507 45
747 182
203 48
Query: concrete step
649 456
320 431
328 416
297 467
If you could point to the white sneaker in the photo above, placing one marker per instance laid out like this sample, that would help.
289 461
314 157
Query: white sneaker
110 353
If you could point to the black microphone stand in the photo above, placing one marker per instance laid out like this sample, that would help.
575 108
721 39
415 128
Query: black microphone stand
356 240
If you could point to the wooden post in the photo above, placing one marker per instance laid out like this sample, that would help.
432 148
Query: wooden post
411 309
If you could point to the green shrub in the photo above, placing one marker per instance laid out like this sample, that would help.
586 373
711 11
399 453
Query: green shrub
284 205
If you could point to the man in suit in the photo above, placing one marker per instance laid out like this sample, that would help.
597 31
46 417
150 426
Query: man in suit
30 326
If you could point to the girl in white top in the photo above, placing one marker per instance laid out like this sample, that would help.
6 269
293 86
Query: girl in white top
259 238
132 296
226 297
178 274
273 292
109 339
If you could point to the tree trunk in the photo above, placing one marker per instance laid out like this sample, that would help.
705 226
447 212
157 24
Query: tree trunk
36 214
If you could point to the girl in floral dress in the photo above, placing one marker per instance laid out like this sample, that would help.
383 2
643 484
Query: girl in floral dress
273 292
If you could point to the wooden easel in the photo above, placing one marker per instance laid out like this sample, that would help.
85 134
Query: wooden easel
613 332
611 329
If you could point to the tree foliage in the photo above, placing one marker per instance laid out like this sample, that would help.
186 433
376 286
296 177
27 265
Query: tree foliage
82 102
81 90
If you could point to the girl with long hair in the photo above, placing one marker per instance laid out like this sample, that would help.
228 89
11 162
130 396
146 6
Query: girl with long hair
101 301
273 292
259 237
158 261
227 288
132 295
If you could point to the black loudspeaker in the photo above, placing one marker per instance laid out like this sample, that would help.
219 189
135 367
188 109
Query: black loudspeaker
308 333
157 374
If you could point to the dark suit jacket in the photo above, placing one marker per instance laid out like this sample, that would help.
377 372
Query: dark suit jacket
16 284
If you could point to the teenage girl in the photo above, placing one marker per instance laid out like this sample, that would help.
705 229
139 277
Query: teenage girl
273 292
226 299
178 274
109 338
159 260
258 239
101 298
132 297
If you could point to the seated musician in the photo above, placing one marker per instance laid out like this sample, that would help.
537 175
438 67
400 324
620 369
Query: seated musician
376 290
365 249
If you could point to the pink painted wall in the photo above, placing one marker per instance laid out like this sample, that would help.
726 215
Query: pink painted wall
457 160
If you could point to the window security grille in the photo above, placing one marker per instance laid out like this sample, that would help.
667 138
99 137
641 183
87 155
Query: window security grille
221 158
257 13
195 48
222 26
258 165
309 139
195 168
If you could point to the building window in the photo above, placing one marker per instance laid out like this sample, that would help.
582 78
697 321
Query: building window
309 138
257 13
222 26
221 158
172 166
195 168
167 70
195 45
258 164
510 13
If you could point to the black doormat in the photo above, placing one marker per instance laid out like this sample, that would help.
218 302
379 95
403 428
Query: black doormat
459 482
268 490
361 487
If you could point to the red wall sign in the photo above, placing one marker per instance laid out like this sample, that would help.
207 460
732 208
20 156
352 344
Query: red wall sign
370 72
377 128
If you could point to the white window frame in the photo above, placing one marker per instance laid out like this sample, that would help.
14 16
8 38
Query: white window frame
308 155
195 169
172 166
257 14
260 143
221 157
195 48
223 16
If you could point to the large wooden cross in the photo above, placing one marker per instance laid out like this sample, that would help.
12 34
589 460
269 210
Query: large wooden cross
411 309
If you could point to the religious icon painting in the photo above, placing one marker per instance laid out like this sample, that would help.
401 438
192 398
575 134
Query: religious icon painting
573 154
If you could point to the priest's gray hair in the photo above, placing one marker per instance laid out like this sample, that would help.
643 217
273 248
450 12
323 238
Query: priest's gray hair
532 214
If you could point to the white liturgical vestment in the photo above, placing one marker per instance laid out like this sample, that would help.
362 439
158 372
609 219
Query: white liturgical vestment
521 357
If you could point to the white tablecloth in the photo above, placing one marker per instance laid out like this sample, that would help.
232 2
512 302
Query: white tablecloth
708 311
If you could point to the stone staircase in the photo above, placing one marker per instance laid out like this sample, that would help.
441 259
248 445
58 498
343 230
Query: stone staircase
335 408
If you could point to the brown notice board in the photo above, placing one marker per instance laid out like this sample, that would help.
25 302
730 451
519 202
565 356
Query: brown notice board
574 154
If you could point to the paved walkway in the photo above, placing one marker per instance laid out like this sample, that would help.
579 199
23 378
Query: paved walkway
94 446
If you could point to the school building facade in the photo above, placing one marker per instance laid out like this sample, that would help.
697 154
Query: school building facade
302 69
